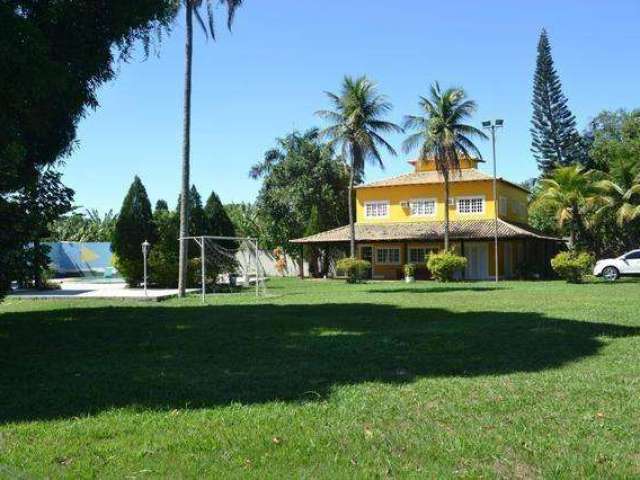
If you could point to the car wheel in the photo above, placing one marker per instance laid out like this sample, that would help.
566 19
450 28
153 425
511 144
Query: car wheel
610 274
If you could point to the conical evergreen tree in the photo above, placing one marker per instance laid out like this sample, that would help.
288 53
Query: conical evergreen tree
196 212
555 140
217 221
134 226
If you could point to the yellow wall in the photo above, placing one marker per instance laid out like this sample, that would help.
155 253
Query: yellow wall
403 193
514 197
431 165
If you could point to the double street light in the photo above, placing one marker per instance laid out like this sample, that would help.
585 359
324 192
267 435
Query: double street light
492 126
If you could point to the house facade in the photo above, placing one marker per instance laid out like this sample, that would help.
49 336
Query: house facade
400 220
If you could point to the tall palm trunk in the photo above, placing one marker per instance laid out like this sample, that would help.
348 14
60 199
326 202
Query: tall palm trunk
445 174
352 227
184 190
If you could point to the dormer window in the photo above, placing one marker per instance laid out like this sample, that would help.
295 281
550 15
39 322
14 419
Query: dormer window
467 205
378 209
422 207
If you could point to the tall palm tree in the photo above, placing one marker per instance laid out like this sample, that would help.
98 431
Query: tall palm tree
572 192
620 191
192 8
357 127
441 135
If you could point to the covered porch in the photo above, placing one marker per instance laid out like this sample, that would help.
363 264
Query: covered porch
522 251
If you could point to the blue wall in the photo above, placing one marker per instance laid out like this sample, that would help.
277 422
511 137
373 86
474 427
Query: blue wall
80 257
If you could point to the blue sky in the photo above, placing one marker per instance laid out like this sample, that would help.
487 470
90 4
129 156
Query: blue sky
268 77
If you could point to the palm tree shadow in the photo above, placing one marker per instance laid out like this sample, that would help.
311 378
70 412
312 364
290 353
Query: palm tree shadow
79 361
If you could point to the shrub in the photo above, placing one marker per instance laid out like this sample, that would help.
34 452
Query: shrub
572 265
444 265
354 268
409 270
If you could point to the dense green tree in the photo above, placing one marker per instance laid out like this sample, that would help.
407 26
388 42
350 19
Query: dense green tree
571 193
357 127
246 221
216 219
41 202
192 8
300 174
441 135
161 206
555 141
134 226
54 57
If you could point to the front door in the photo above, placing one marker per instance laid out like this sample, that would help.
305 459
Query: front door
477 254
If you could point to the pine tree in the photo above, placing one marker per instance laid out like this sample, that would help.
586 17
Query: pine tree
134 226
161 206
216 220
196 213
555 140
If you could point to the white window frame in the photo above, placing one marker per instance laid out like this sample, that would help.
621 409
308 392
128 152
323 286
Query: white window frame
416 200
503 206
472 197
377 203
386 260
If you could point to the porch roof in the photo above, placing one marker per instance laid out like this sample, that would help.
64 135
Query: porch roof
421 231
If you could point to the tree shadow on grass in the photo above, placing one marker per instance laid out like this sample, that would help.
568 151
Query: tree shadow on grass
78 361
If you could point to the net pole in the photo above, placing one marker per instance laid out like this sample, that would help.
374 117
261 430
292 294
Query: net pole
203 267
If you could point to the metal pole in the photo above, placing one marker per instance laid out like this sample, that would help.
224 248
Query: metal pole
495 197
203 268
145 250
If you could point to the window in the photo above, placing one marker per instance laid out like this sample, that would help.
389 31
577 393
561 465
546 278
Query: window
635 255
471 205
376 209
503 205
388 256
419 254
423 207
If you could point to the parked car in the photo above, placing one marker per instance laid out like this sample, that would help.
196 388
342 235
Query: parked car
613 268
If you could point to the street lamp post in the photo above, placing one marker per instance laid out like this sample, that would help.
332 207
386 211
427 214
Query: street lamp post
145 251
492 126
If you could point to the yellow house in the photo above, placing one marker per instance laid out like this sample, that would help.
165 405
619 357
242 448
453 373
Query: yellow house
400 220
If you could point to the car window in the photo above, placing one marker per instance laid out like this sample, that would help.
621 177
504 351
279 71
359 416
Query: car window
633 255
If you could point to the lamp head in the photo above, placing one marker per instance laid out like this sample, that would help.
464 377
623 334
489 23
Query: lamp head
499 122
486 124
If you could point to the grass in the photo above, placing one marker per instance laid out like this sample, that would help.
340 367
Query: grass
326 380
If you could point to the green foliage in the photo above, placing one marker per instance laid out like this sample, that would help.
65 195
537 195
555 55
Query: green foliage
55 55
555 141
357 127
572 265
218 223
444 265
441 135
134 226
87 227
354 269
163 256
161 206
300 174
409 270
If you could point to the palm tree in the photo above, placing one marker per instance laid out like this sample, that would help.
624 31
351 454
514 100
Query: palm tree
441 135
620 191
572 192
357 127
192 8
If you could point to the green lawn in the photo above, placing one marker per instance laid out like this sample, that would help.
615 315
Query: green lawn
326 380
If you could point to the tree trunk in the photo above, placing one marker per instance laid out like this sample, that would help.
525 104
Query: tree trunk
446 210
352 227
37 267
184 190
